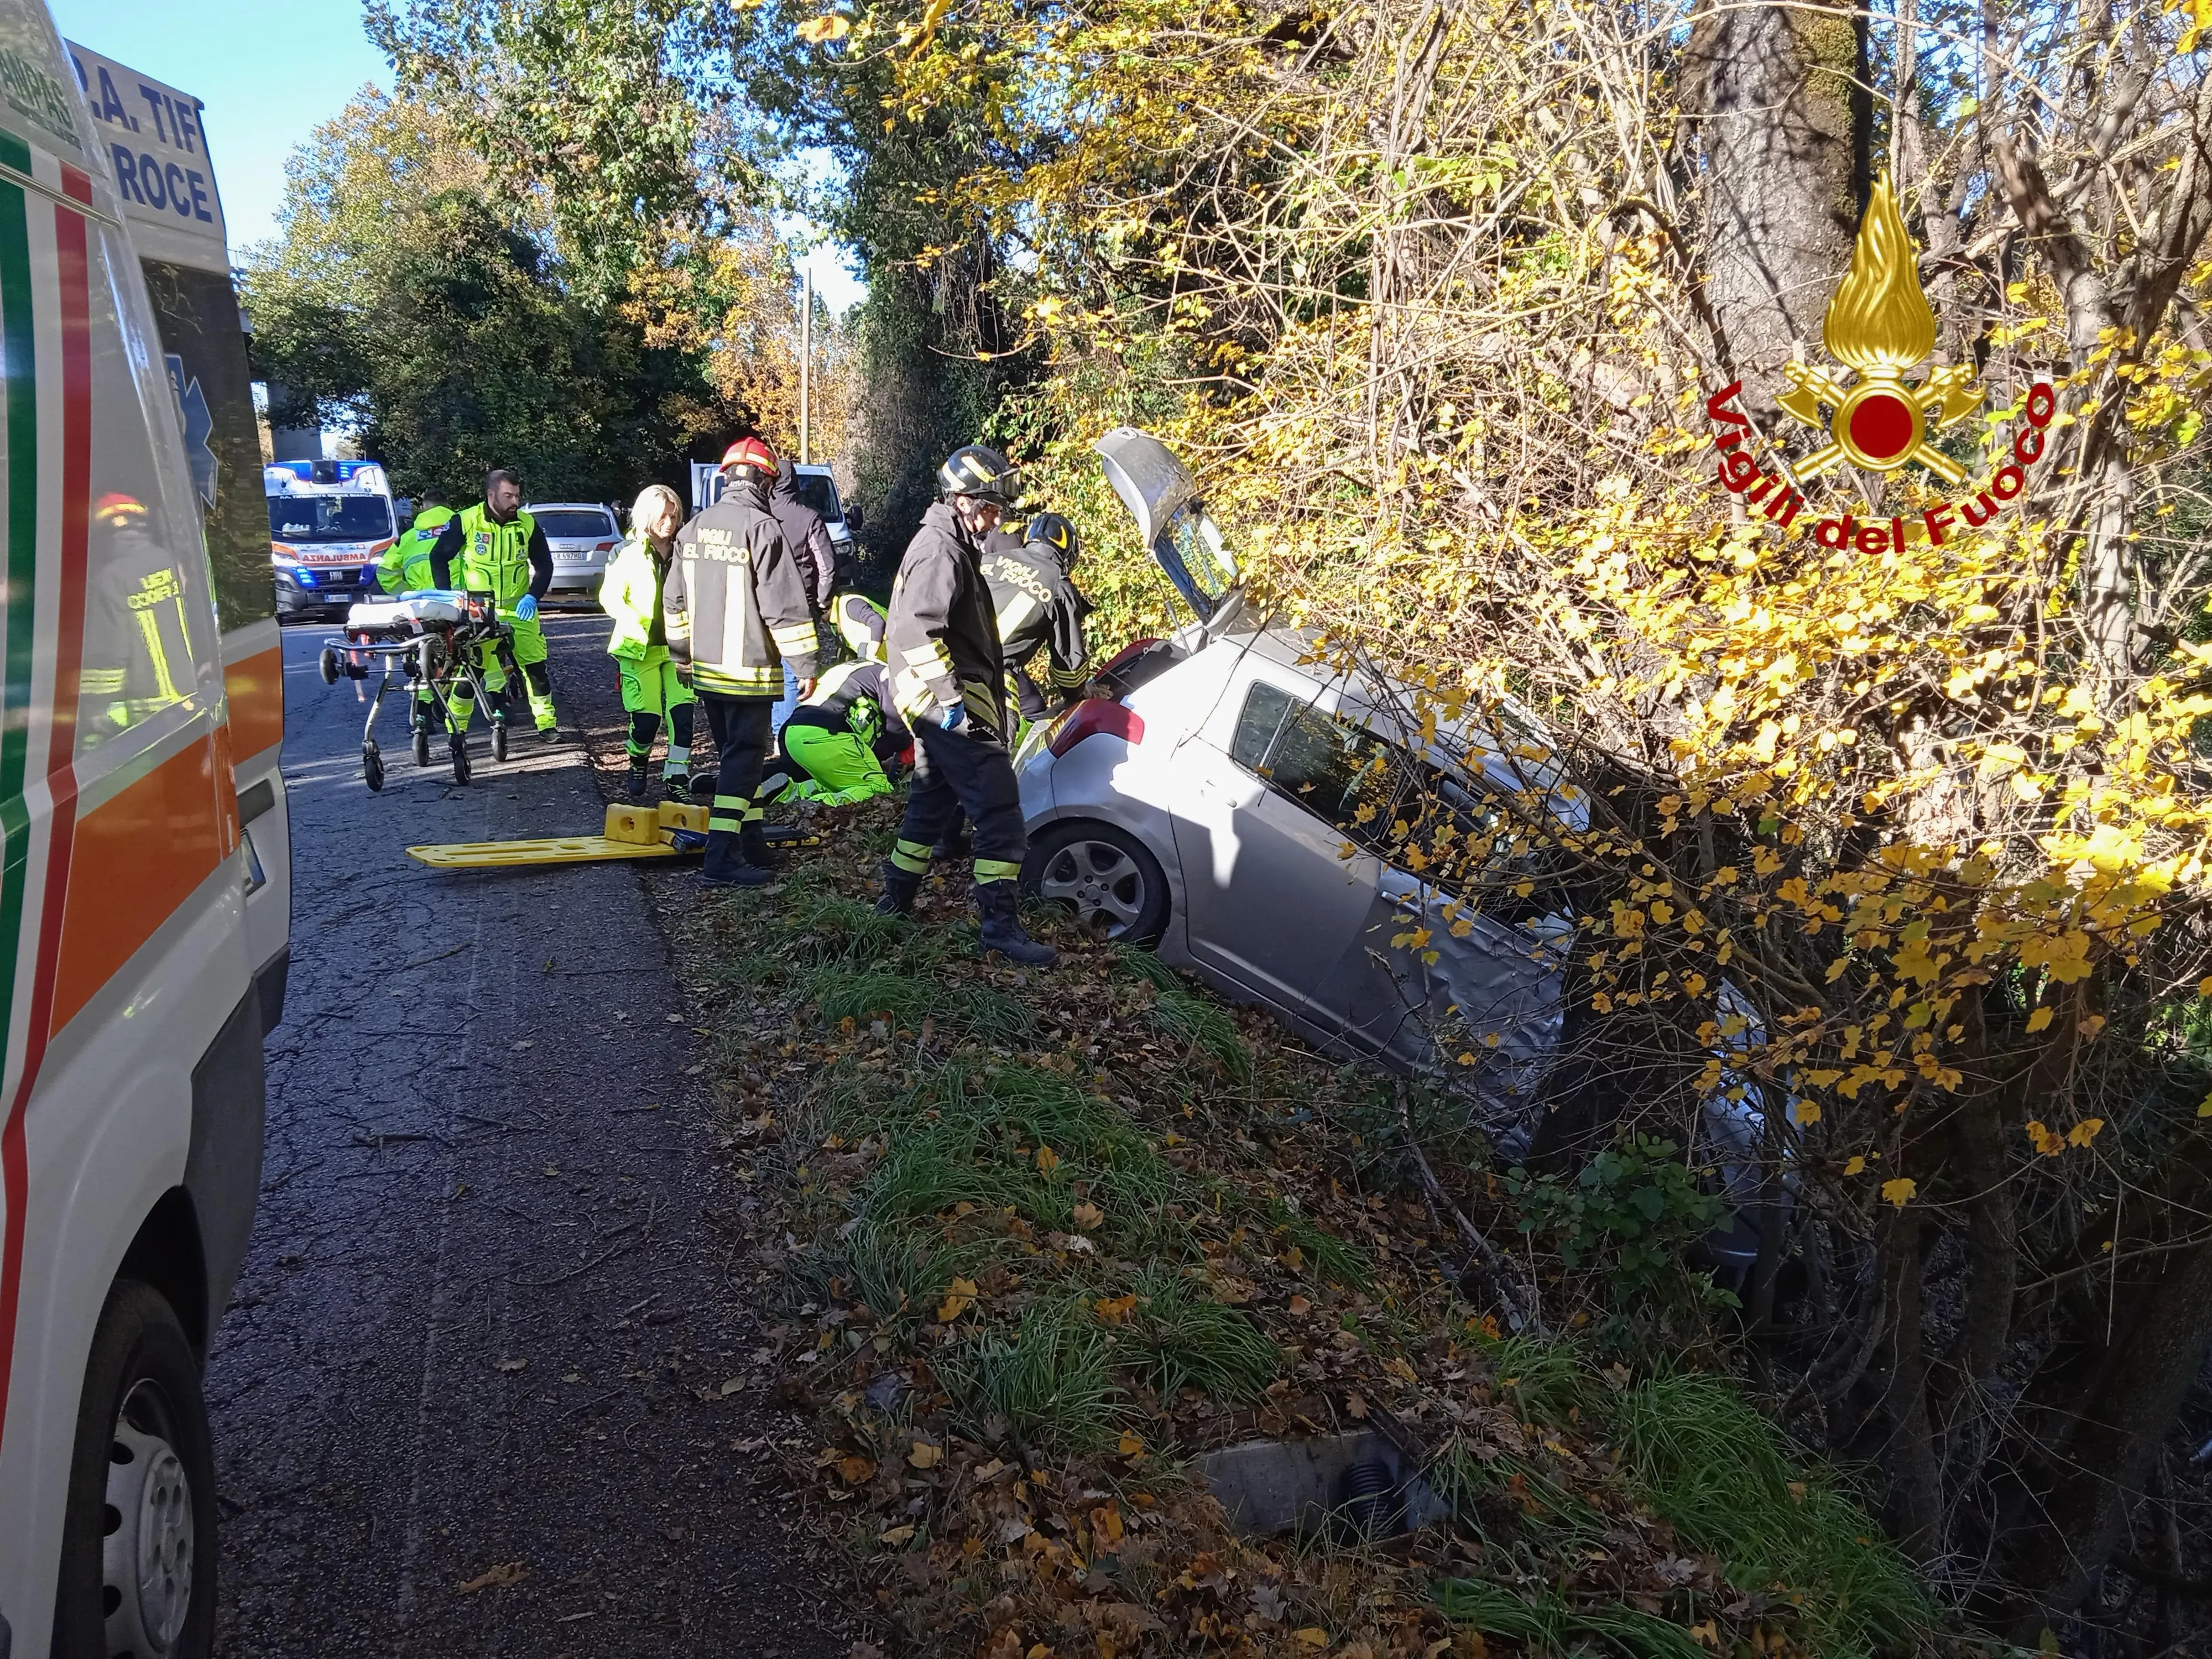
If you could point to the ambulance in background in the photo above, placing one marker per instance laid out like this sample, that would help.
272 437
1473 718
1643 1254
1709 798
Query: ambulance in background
329 523
142 880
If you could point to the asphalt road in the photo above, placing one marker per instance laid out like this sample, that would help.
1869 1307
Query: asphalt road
469 1398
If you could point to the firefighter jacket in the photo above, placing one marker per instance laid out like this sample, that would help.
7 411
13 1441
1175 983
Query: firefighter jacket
860 623
807 538
943 641
138 641
1038 610
630 593
855 697
404 567
735 602
504 560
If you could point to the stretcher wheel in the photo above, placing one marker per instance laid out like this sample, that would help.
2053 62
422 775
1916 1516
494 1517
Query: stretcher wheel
499 740
422 745
372 765
456 746
328 664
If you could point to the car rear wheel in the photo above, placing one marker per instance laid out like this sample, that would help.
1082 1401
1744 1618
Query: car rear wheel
1108 878
137 1569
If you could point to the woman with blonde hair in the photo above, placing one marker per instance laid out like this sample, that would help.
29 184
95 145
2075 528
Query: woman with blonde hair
650 690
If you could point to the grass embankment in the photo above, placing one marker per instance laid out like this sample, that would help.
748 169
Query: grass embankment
1044 1236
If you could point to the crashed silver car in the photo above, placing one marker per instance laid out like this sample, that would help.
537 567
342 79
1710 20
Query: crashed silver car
1231 805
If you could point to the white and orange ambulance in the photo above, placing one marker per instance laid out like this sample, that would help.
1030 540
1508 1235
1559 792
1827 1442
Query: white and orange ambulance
142 850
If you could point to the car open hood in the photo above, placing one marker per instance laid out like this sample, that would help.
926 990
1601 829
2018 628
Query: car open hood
1161 495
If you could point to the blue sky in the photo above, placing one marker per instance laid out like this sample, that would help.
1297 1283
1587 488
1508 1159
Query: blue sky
270 72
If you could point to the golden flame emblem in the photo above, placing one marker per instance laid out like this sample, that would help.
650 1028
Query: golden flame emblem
1880 323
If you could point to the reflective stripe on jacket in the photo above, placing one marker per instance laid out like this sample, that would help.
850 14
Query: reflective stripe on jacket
943 641
736 605
630 593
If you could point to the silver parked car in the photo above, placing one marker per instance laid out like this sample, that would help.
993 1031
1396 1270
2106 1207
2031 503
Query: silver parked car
583 538
1232 805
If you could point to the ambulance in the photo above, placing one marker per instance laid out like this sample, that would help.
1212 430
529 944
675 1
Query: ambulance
329 523
142 888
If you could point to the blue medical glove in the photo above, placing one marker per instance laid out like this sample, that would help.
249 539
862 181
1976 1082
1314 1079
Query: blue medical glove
526 607
951 718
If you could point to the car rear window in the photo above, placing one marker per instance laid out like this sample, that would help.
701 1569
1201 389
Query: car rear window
575 524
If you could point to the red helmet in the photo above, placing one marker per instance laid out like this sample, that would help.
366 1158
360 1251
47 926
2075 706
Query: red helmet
118 507
750 451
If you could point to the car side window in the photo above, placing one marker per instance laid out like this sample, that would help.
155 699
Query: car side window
1340 772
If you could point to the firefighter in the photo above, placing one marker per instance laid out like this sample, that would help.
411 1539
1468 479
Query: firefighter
736 609
651 692
846 738
948 680
805 535
1039 609
497 547
138 659
405 569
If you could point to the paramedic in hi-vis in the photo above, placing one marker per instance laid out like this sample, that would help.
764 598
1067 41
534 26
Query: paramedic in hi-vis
496 548
949 679
405 569
652 693
737 609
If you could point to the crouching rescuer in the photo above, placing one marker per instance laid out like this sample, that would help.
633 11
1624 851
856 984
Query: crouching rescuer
737 609
652 692
948 679
497 547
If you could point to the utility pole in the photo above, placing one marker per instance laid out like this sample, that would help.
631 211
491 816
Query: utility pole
805 355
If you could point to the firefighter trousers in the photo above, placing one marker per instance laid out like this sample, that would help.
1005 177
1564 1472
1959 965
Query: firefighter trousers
957 772
741 732
841 769
651 694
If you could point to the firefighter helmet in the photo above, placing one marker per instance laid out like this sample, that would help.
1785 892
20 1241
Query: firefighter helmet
750 451
1056 534
974 470
116 509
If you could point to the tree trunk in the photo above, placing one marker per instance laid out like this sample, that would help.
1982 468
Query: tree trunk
2105 1404
1773 91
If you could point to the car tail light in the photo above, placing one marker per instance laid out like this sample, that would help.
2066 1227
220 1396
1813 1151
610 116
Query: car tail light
1092 716
605 547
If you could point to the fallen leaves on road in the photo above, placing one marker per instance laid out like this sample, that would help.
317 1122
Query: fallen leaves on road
502 1577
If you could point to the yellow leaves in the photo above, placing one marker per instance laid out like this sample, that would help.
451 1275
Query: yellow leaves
2064 956
1089 1216
1131 1443
1856 1166
1313 1636
817 30
924 1454
958 1300
2049 1143
1899 1191
2037 1020
1114 1309
1046 1160
1804 1113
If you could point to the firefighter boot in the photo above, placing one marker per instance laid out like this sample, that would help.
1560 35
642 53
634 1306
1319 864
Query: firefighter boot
639 778
1002 928
752 844
900 887
725 864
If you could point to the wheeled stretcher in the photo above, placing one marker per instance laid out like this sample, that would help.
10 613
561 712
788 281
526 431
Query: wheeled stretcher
436 641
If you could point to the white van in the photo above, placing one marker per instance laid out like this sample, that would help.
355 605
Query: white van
141 922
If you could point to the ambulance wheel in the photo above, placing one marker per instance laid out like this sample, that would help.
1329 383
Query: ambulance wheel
499 741
421 746
456 746
372 765
138 1544
328 664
